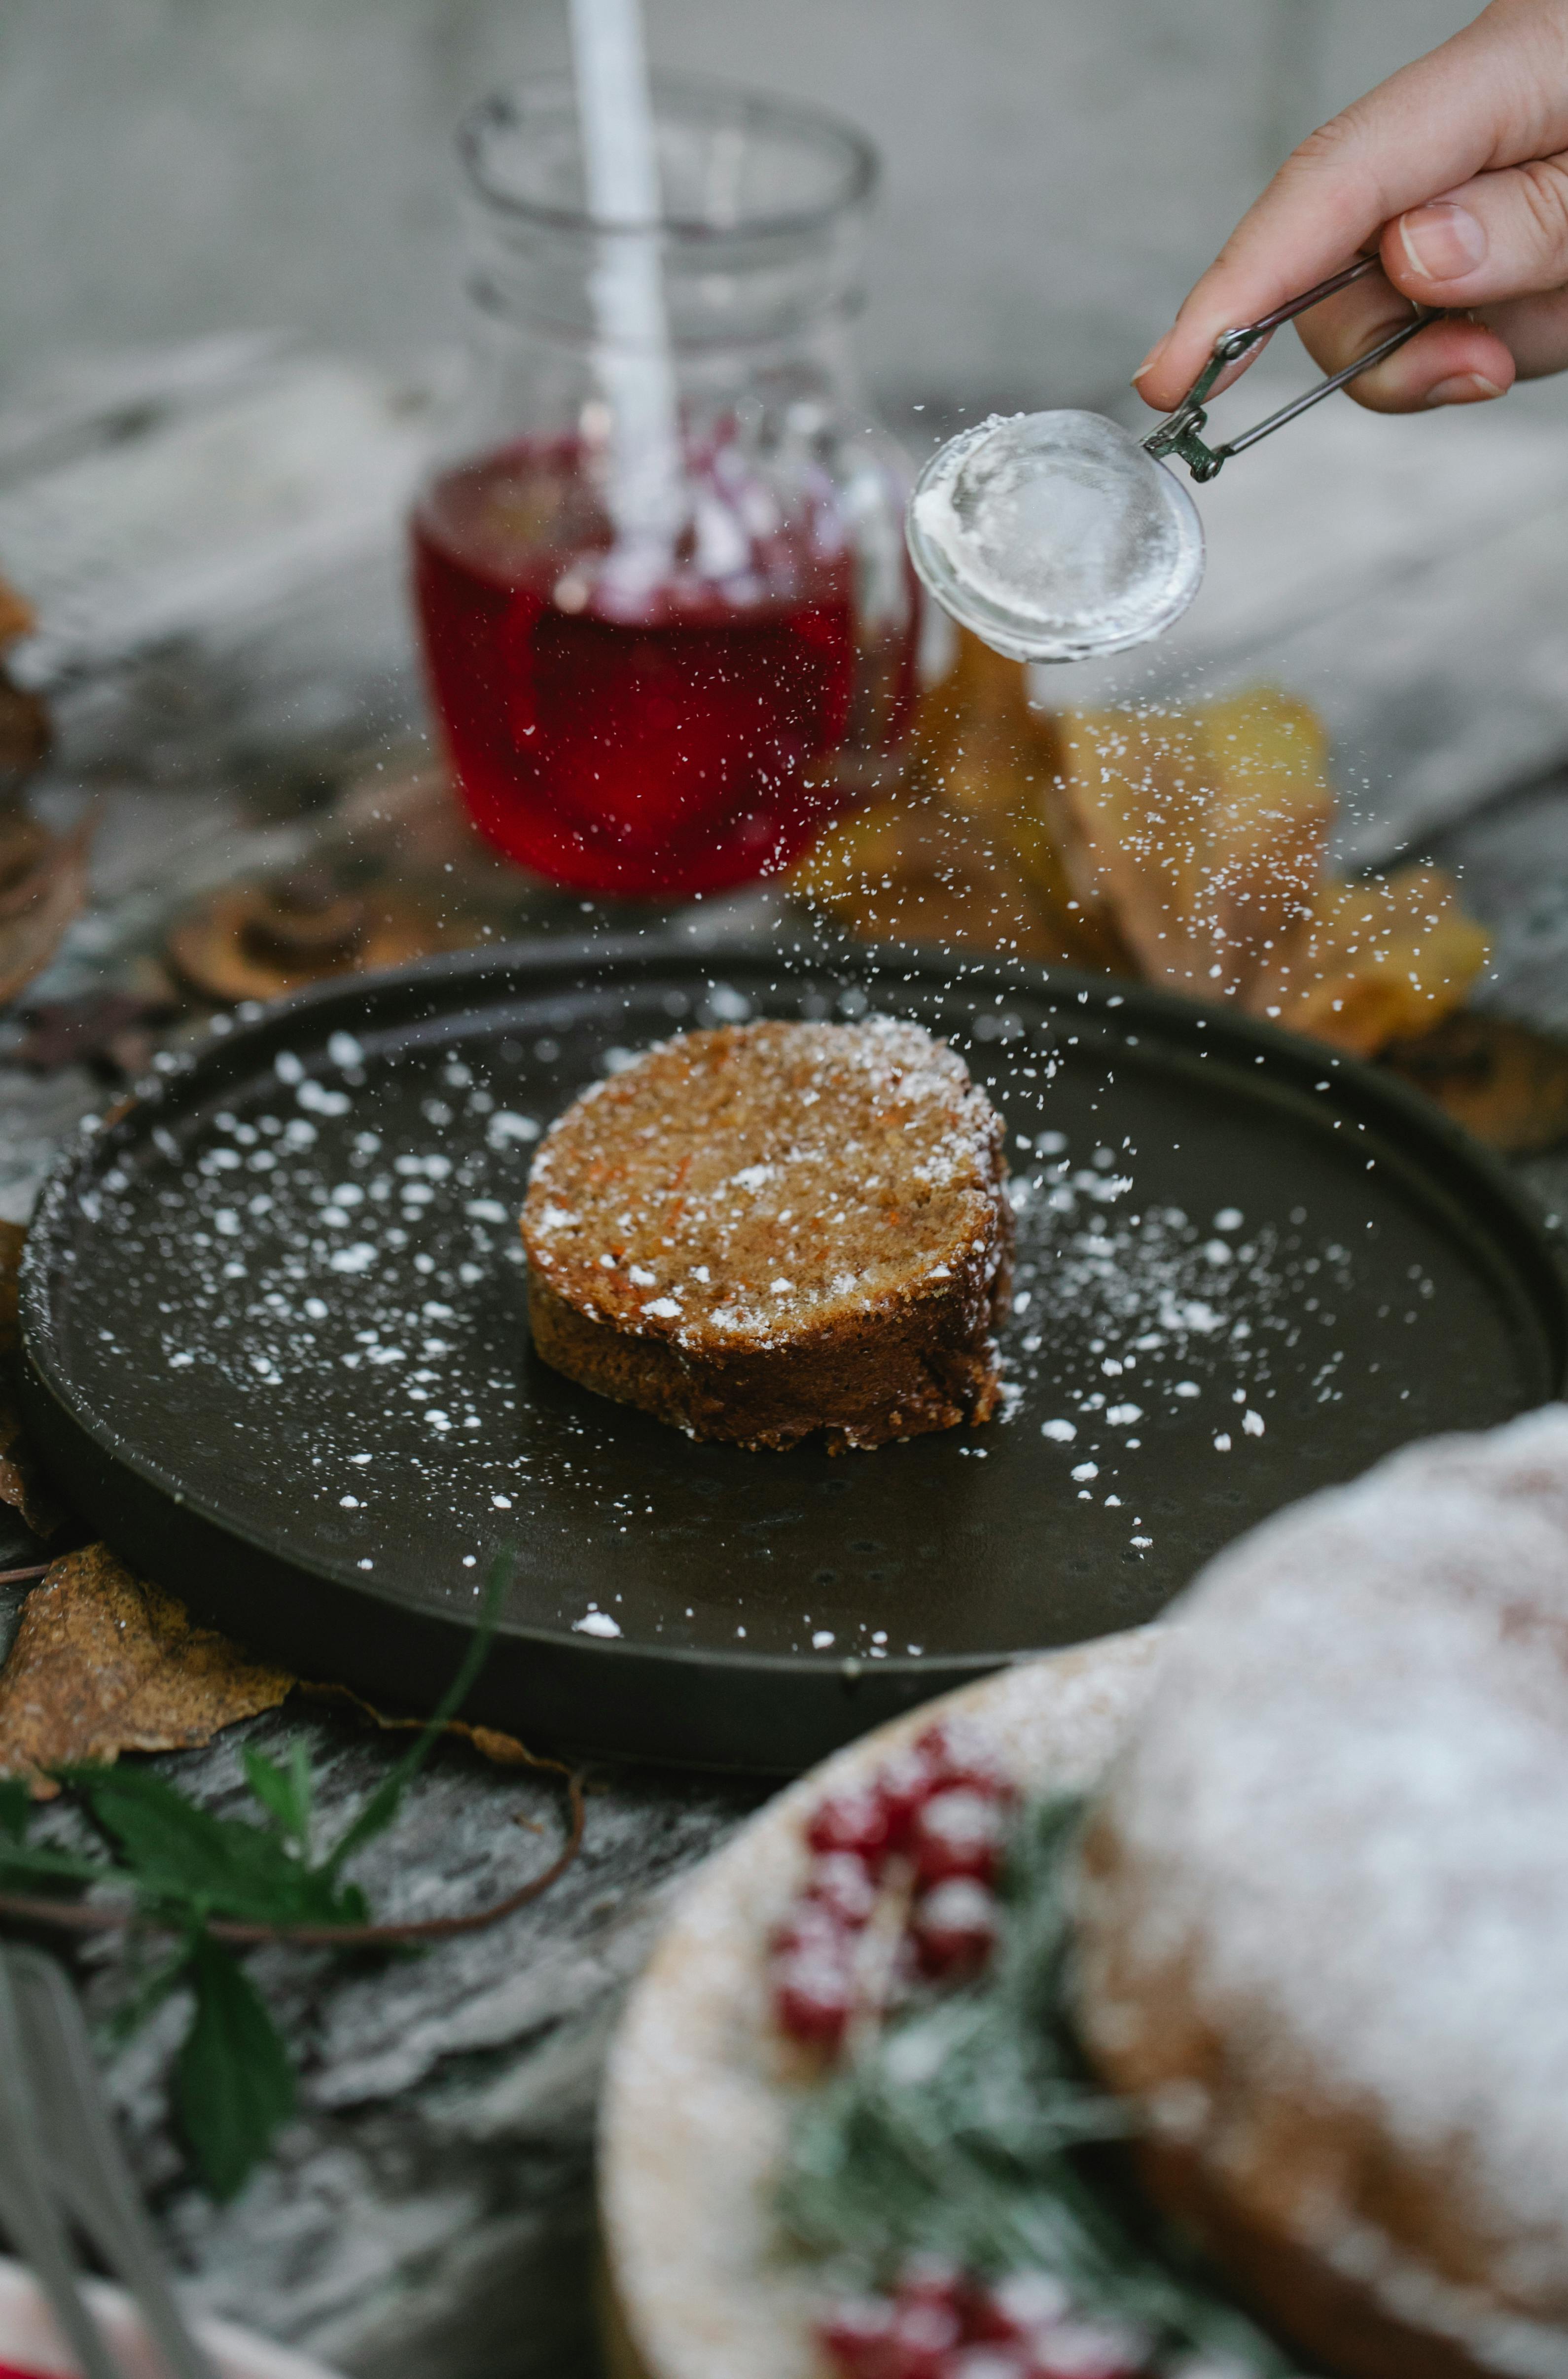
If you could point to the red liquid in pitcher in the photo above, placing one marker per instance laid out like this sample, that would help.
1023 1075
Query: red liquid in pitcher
663 742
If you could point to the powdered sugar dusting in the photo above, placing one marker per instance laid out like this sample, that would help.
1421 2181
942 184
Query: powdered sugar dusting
866 1127
1345 1810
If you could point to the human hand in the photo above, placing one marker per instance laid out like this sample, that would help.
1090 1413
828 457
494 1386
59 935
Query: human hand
1455 172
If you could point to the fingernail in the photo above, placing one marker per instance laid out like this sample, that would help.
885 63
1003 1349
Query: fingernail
1465 388
1152 358
1444 241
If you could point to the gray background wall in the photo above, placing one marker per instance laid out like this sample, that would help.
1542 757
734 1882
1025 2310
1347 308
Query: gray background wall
1057 170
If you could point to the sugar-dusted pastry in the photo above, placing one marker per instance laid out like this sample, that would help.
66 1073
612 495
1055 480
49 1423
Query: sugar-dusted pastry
771 1230
1323 1931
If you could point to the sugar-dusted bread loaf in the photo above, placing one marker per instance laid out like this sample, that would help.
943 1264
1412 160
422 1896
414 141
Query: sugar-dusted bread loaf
1323 1929
774 1229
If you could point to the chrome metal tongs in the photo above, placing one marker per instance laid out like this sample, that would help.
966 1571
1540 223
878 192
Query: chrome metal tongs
1181 433
62 2170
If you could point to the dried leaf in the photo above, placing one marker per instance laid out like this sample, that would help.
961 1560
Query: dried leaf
1200 833
21 1483
1184 845
1376 961
103 1663
504 1750
980 750
1503 1082
43 886
16 614
977 743
962 856
910 871
257 941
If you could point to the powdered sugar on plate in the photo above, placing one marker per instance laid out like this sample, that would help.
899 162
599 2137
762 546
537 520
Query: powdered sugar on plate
298 1301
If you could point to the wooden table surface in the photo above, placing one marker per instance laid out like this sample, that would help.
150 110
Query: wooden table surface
429 2214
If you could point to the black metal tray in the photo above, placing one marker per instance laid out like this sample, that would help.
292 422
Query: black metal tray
277 1352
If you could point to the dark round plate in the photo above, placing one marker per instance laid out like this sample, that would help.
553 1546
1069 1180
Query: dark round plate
275 1322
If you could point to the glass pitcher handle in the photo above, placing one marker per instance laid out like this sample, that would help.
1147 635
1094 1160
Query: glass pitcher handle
1181 433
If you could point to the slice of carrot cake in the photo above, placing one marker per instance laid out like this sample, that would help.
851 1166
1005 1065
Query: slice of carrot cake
772 1229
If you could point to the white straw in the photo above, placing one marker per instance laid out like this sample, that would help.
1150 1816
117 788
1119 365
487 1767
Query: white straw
635 364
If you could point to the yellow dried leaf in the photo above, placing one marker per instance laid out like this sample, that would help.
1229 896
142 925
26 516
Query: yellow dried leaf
912 872
1271 810
982 751
1200 833
104 1662
962 855
977 743
1503 1081
1379 961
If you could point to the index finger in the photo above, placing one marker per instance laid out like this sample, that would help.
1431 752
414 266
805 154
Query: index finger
1495 94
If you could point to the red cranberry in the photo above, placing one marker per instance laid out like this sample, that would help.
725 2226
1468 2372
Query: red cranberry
933 2279
904 1783
920 2341
954 1927
843 1884
851 1821
812 1925
958 1831
813 1978
957 1756
988 2361
1021 2306
855 2337
1091 2350
812 2007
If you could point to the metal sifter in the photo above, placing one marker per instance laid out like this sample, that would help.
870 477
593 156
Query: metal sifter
1056 537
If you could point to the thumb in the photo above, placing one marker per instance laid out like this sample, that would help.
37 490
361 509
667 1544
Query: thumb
1503 235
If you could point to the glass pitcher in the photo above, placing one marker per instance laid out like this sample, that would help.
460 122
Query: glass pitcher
672 728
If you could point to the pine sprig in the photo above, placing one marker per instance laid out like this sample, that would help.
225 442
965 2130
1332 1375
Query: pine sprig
216 1885
971 2128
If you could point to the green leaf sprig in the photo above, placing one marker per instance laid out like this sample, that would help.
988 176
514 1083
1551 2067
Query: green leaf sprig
219 1885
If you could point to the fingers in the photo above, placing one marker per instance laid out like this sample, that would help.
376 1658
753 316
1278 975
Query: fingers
1495 97
1534 330
1451 362
1499 235
1461 360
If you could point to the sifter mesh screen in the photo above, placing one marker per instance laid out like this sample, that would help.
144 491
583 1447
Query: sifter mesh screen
1055 536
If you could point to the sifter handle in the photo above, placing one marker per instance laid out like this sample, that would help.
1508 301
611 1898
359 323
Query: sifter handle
1180 433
